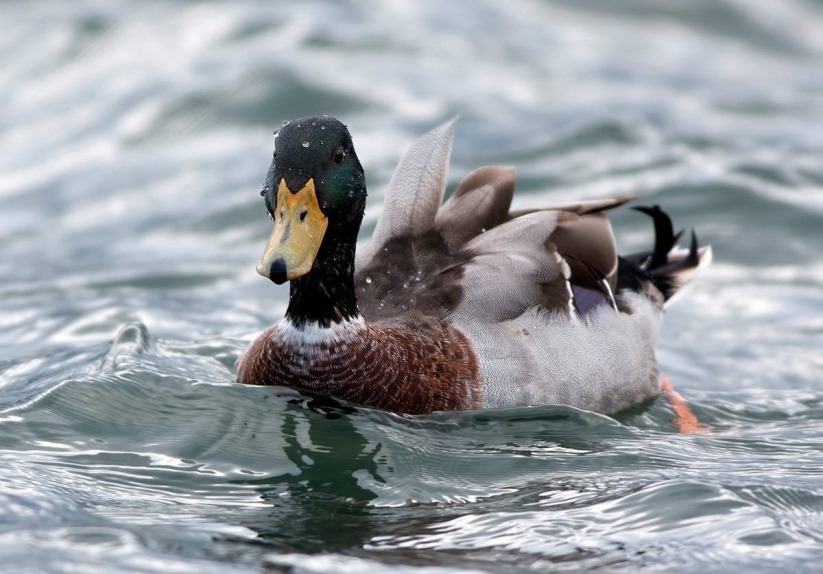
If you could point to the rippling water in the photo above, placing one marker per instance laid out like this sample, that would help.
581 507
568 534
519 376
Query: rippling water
135 137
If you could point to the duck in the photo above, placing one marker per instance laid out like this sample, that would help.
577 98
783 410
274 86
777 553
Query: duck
458 304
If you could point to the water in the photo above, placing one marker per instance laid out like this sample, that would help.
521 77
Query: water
135 138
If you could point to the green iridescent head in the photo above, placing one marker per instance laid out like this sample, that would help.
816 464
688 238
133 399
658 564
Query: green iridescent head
315 189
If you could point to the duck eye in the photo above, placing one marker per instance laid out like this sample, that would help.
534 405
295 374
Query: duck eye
303 215
338 156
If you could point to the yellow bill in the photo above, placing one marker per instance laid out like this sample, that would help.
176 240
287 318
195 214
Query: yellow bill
299 227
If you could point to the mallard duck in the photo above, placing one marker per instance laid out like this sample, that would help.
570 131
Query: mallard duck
457 305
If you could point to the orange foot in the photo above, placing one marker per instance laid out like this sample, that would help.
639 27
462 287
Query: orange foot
684 418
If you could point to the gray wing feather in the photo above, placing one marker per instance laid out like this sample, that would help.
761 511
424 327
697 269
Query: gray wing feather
580 207
511 268
415 190
479 203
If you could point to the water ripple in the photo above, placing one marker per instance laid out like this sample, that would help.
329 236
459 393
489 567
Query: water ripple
136 137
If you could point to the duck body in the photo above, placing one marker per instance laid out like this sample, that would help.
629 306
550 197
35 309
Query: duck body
457 305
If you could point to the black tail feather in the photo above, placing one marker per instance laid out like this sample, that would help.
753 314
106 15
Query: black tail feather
694 257
666 271
664 237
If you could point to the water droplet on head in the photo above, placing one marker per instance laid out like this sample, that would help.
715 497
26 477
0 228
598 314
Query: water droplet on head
306 144
368 279
322 127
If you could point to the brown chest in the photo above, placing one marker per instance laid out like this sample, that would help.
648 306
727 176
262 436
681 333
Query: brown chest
417 368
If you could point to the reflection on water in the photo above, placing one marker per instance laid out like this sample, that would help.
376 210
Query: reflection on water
135 137
324 504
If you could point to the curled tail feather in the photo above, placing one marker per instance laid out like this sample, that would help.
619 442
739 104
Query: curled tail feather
668 267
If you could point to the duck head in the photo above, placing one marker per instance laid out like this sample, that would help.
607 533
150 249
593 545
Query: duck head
315 193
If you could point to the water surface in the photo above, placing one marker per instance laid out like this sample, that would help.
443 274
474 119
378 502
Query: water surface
135 138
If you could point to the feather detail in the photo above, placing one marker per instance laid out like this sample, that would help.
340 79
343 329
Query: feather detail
588 245
479 203
511 268
580 207
415 190
665 270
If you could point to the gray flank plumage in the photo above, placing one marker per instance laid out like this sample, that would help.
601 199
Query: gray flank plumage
506 280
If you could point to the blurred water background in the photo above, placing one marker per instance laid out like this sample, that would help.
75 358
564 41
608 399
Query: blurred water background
135 137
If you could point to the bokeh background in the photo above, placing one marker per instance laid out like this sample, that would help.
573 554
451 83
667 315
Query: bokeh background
135 137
